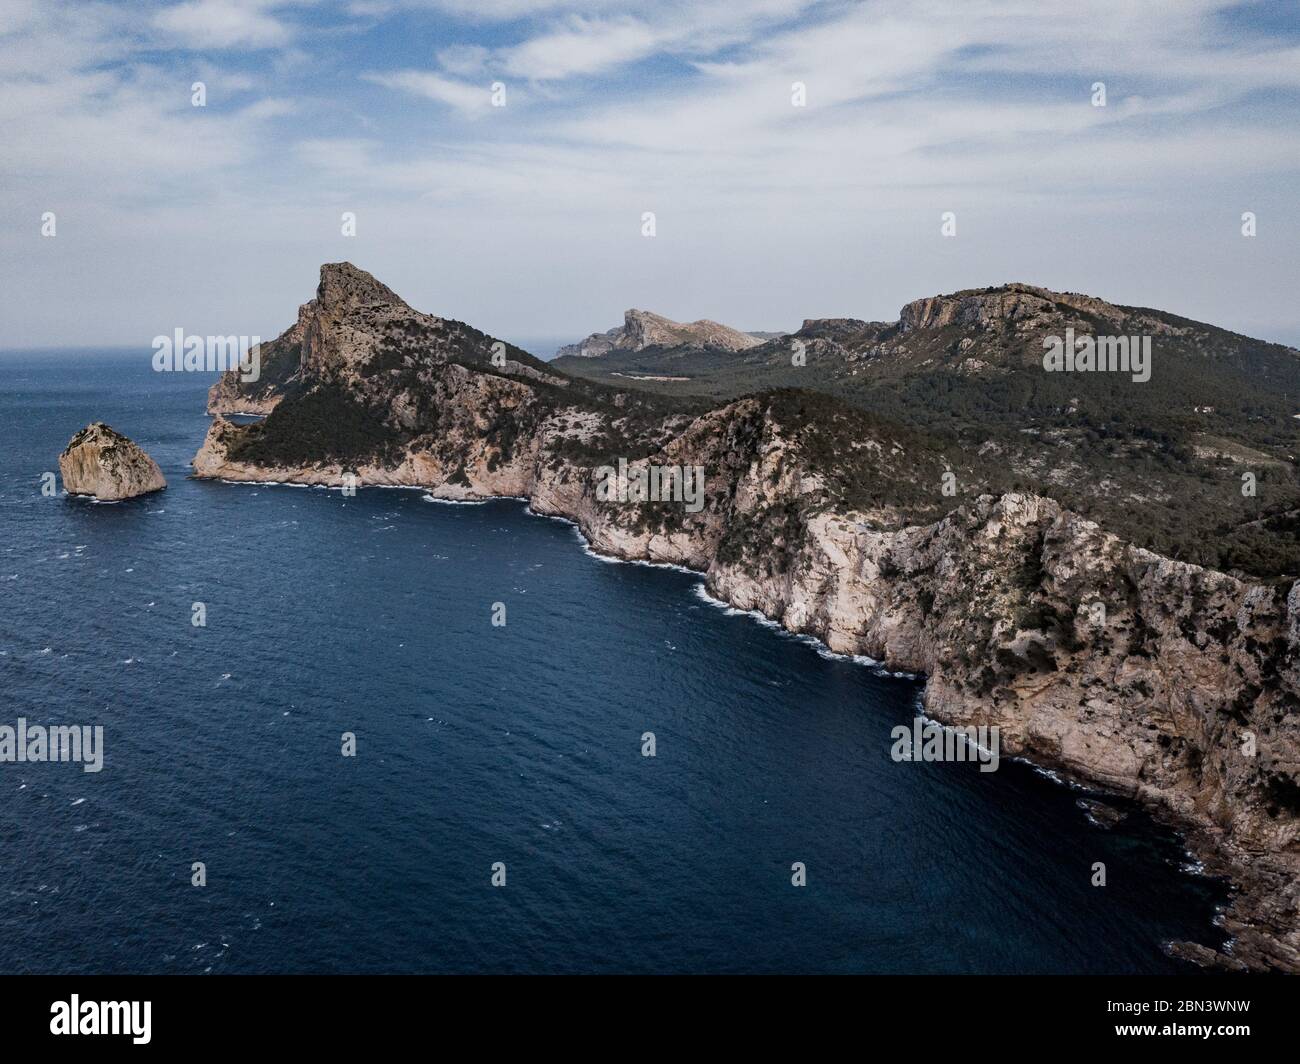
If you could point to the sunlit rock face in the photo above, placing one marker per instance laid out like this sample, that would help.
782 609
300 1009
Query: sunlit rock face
100 461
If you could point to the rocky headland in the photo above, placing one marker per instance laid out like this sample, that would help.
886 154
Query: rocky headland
1171 683
100 461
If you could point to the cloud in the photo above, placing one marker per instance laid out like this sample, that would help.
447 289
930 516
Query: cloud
464 97
767 212
464 60
606 36
200 24
585 46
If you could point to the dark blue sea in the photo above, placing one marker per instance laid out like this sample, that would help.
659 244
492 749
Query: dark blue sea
478 744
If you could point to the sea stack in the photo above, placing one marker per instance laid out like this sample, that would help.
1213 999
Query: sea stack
100 461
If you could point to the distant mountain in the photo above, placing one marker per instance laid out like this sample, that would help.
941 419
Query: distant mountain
641 330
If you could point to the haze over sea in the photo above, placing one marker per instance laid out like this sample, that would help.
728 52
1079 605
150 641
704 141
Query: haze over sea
477 744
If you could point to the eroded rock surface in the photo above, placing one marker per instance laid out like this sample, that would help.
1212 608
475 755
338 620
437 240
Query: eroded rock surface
100 461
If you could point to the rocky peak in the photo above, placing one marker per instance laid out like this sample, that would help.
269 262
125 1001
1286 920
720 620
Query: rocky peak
98 432
344 286
350 316
643 329
358 333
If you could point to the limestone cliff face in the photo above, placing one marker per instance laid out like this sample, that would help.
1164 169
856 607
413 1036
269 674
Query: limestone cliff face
101 462
1167 682
642 329
279 364
227 397
1177 685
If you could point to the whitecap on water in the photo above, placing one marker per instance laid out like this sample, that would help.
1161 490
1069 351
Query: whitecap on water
455 502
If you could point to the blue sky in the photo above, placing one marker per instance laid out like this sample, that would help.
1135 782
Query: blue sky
525 220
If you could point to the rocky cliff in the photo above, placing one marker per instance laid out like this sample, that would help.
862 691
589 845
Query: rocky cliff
100 461
356 334
1171 683
641 329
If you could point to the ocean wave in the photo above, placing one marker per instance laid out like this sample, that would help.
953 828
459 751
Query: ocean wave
454 502
1052 774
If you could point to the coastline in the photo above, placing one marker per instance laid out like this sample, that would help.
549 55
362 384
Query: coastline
1143 675
1205 851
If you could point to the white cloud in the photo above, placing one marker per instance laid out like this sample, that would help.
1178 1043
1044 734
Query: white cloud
467 98
202 24
767 213
585 46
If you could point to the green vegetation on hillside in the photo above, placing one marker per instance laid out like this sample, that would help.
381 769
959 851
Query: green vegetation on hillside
325 424
1160 462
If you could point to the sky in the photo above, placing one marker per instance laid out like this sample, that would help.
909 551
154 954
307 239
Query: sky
526 220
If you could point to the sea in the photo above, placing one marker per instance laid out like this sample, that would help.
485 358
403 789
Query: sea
498 811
